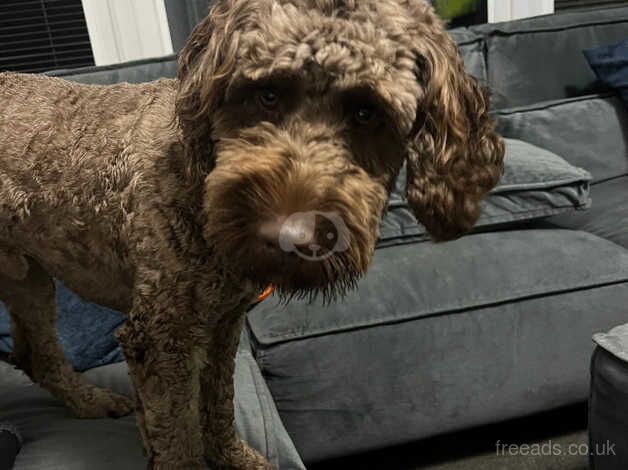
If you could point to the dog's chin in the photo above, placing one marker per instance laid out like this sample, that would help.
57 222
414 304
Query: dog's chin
294 277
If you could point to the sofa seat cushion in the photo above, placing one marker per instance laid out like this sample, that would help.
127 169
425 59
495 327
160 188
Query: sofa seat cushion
536 183
590 132
608 215
54 439
514 51
442 337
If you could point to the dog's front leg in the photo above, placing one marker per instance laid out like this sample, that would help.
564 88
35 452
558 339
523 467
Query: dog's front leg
161 343
223 447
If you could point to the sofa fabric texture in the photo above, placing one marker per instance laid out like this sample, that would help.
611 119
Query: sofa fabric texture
490 326
515 50
590 132
138 71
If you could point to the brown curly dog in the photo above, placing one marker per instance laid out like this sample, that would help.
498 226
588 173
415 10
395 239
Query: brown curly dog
169 200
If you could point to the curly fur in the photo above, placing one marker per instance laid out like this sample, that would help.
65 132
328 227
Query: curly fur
148 198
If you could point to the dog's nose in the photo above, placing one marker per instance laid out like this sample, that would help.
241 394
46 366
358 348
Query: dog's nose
287 233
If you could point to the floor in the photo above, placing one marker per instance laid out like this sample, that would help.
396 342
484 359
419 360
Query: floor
557 441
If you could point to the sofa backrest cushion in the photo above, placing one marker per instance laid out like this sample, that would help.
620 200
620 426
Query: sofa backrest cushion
540 59
138 71
471 47
536 183
590 132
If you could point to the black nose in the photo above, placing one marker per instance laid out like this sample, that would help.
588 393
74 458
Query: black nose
286 233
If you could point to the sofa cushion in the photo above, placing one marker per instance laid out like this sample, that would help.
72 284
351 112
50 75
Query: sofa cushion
53 439
536 183
610 64
442 337
423 276
516 49
590 132
138 71
608 215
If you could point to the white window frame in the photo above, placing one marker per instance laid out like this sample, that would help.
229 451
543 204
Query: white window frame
507 10
124 30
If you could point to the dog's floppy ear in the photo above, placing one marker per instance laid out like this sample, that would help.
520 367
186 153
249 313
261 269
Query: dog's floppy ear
455 156
206 63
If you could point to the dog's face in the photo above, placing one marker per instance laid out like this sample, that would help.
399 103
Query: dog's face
304 111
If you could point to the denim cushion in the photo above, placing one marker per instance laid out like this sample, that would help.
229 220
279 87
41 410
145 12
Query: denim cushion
442 337
536 183
610 64
540 59
590 132
86 331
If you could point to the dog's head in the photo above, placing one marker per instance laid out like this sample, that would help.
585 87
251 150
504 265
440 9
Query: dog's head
301 113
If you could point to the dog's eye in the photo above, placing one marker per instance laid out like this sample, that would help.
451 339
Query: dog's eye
364 116
268 99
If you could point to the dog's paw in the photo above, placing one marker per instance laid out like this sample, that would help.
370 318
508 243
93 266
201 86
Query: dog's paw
238 456
100 403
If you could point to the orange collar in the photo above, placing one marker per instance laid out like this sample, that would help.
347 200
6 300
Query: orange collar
267 293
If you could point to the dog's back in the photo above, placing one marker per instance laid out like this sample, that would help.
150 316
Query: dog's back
70 157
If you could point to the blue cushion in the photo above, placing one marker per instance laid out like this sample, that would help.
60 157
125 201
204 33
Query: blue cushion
610 64
85 331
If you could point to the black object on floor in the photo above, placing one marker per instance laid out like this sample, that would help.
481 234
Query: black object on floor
9 447
608 412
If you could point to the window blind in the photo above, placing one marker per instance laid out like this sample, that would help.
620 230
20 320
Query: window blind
39 35
562 5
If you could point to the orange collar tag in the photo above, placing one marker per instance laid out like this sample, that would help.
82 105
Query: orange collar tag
267 293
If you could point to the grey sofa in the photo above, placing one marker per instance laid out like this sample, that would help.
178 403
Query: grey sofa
437 338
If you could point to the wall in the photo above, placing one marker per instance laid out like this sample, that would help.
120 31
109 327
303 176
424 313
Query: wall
123 30
506 10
